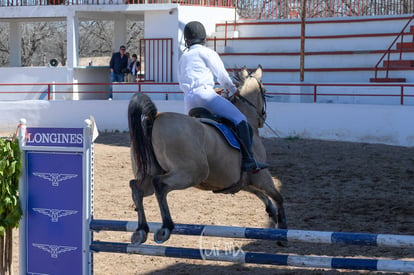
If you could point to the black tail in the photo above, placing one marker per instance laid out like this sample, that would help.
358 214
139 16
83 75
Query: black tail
141 115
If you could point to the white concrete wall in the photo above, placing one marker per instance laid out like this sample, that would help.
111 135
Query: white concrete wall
170 24
156 91
32 75
208 16
358 123
318 26
364 48
18 76
161 24
100 75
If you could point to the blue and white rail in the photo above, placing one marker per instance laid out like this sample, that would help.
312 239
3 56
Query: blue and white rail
255 258
364 239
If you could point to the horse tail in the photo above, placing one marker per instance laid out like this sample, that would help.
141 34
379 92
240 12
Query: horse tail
141 116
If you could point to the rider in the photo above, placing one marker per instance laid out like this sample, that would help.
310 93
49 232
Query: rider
196 71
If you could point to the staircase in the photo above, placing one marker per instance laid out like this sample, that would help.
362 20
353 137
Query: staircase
341 50
402 49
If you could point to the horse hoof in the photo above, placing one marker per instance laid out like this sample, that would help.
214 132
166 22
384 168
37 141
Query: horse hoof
282 243
162 235
282 226
139 237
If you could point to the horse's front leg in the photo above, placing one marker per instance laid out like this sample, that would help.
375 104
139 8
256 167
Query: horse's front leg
141 233
162 234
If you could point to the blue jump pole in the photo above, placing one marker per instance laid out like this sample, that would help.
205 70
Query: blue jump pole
255 258
365 239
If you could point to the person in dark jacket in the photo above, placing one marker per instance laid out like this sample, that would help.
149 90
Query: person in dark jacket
118 65
134 68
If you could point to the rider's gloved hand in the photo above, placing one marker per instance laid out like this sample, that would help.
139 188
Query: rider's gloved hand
226 93
219 90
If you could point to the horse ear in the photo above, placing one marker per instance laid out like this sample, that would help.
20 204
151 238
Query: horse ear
243 73
258 73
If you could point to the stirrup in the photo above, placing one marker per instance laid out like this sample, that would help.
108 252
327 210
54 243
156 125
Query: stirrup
251 165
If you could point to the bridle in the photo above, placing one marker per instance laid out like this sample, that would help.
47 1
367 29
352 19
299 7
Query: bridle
262 113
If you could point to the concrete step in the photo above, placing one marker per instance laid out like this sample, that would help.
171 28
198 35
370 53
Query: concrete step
343 59
405 46
293 44
312 60
387 79
399 63
315 26
332 75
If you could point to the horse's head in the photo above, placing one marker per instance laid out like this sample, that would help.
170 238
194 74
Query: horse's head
252 101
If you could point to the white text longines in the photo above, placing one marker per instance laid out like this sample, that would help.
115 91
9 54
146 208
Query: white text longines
55 138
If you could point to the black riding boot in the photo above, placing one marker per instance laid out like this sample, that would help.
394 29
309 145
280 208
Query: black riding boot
245 136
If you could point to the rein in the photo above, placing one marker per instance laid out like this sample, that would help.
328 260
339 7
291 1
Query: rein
253 107
248 102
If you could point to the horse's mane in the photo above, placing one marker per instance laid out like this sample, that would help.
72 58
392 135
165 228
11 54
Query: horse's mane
237 78
238 82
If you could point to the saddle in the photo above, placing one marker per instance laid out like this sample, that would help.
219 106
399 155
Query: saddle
226 128
223 125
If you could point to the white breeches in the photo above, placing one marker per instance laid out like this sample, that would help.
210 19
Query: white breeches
206 97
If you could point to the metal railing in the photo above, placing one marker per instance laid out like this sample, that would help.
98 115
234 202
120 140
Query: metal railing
259 9
388 51
346 93
286 9
157 53
351 93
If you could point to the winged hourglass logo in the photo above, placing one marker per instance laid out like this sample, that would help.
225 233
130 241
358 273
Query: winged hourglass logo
55 214
54 250
55 178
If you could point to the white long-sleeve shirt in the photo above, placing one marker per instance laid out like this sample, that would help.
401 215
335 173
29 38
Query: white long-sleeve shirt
196 71
198 66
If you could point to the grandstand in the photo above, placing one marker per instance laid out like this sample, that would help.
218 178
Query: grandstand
345 53
362 42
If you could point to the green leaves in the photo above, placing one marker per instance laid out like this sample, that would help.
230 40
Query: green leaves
10 169
10 211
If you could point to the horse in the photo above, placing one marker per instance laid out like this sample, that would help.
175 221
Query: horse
173 151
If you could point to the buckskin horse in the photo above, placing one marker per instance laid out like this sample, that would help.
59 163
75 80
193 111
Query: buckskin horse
172 151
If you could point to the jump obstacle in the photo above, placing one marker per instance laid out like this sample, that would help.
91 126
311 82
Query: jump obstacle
324 237
57 225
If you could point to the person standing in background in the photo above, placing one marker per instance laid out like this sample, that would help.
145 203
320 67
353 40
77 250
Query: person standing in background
134 68
127 71
118 64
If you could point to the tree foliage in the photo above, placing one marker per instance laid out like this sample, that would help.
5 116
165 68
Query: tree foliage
10 211
95 38
4 42
281 9
42 41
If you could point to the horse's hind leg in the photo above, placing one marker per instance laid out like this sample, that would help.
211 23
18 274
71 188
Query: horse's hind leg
162 234
179 179
270 209
141 233
264 187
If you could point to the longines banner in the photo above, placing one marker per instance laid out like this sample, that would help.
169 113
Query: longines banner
54 204
67 137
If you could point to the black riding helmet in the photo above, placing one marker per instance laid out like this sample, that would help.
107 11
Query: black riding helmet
194 33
